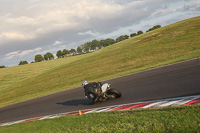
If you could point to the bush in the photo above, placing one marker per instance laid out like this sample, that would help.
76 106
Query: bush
154 27
2 66
23 62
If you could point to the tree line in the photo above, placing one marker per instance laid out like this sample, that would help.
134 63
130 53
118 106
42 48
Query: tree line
2 66
84 48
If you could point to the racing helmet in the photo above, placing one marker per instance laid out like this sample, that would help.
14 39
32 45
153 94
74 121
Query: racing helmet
84 83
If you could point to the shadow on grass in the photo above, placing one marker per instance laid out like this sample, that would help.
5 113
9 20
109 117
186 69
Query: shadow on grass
76 102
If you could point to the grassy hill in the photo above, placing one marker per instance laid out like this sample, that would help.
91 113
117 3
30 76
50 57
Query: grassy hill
172 43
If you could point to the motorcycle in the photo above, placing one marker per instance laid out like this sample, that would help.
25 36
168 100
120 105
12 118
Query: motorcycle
106 93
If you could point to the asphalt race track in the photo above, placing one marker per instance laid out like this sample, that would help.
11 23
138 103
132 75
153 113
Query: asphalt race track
177 80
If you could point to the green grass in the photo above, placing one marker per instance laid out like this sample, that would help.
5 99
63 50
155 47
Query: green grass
185 119
169 44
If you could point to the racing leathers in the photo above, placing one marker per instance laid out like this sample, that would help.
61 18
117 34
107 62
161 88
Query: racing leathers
93 90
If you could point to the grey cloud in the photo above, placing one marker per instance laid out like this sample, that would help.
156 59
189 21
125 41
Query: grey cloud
32 23
192 7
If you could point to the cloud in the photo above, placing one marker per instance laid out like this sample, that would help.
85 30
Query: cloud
57 43
20 53
193 6
15 36
27 25
43 17
11 55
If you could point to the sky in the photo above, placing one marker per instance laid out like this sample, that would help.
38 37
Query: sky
31 27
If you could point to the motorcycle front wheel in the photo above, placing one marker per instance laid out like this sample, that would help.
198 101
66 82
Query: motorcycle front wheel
114 92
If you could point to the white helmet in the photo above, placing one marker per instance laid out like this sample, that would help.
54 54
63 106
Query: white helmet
84 83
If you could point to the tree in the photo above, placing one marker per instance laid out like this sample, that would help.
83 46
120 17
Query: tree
86 47
65 52
79 49
94 44
73 51
154 27
23 62
107 42
121 38
133 34
48 56
38 58
2 66
59 54
45 57
139 32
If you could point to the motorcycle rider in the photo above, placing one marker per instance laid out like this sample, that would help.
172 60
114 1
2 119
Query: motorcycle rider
92 90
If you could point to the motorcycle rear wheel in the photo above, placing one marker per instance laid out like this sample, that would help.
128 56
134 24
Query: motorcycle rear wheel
114 92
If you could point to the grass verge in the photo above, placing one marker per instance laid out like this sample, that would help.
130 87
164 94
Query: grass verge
169 119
